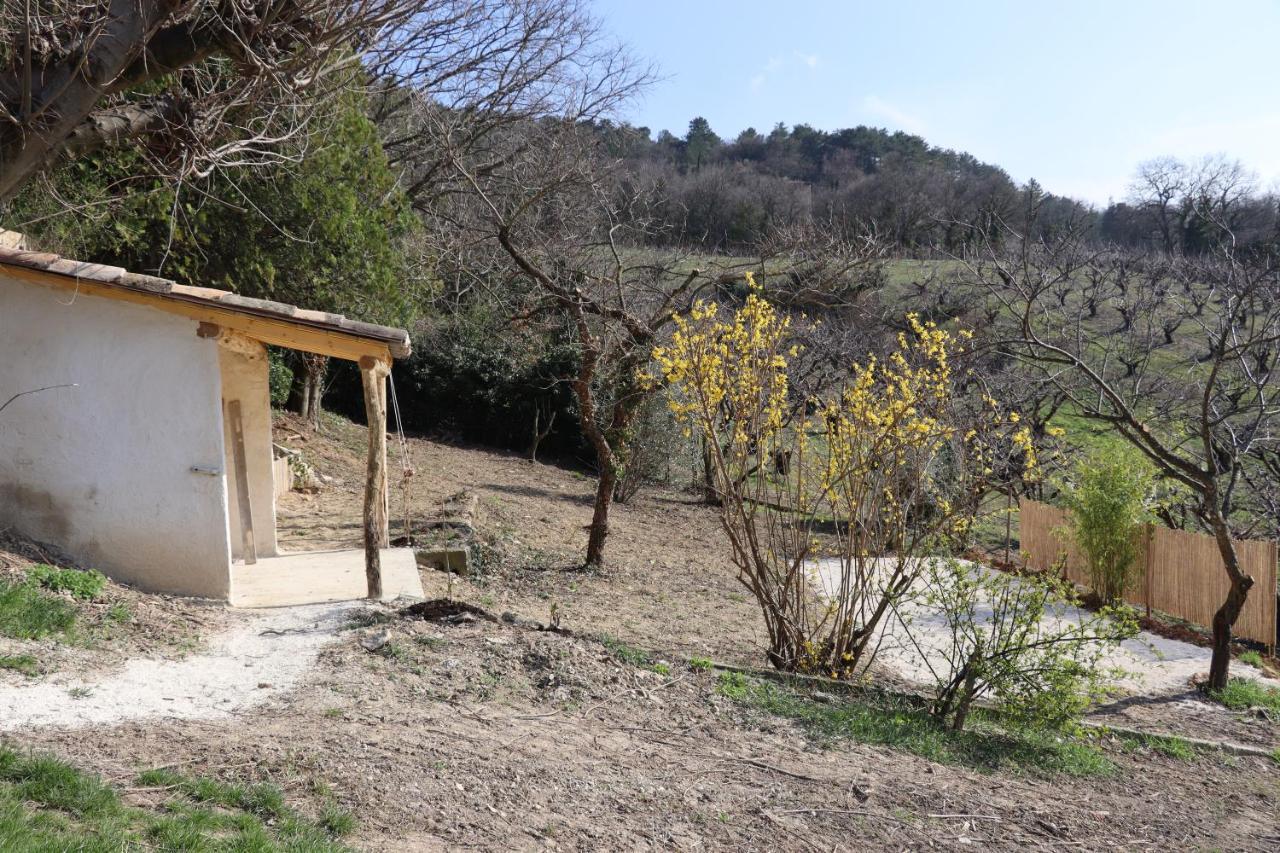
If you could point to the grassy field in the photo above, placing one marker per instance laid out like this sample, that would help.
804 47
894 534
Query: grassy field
48 805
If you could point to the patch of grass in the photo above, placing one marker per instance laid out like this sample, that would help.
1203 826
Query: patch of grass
47 805
29 613
1169 745
25 664
119 613
1252 658
85 585
886 722
701 664
336 821
394 651
633 655
626 653
333 713
1241 694
261 807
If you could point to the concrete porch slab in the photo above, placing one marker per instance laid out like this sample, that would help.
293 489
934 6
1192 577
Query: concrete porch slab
319 576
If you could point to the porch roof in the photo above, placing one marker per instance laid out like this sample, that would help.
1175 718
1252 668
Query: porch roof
270 322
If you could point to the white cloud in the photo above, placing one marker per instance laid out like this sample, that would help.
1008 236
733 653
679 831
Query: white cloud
809 59
776 64
897 118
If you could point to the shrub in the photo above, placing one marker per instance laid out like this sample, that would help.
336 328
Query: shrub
890 463
1108 505
279 376
1013 638
82 584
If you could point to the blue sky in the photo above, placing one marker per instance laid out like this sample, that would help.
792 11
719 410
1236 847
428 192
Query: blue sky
1073 94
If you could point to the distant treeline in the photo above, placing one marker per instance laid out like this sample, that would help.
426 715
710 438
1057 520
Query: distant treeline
725 194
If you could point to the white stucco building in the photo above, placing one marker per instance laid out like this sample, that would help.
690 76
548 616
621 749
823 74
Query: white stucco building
136 433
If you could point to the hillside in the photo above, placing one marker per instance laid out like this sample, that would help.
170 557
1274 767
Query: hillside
495 734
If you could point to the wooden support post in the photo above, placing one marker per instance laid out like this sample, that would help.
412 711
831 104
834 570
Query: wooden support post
240 469
376 534
1149 561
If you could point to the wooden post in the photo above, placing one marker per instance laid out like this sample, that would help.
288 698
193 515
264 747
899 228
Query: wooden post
1149 560
376 533
240 469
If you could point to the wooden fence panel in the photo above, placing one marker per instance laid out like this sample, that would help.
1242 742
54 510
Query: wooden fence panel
282 476
1184 574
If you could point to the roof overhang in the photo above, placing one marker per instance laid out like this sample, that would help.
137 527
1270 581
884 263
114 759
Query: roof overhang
269 322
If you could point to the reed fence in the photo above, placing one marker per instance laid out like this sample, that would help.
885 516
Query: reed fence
1181 573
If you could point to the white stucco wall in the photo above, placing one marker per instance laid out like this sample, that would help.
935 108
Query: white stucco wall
245 377
104 470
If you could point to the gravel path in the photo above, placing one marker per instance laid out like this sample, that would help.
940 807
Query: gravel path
1153 665
261 657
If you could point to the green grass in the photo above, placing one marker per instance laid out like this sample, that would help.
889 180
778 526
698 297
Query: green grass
25 664
47 805
1241 694
626 653
887 722
1168 745
1252 658
29 613
634 655
85 585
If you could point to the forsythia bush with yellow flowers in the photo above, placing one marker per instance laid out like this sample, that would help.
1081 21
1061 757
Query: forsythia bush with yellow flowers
831 505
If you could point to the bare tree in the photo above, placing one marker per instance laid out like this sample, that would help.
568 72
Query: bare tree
205 83
1200 409
563 233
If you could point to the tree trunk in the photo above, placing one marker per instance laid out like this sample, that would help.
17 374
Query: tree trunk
314 369
600 517
1225 619
709 493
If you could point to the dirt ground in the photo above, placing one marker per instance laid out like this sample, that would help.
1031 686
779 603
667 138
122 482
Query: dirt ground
492 735
119 625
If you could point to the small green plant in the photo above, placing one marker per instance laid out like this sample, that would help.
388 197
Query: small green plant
1108 506
80 692
29 613
336 821
1252 658
701 664
661 668
1011 638
25 664
333 713
394 651
119 613
1241 694
626 653
83 584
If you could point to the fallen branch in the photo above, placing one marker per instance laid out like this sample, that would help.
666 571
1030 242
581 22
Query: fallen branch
21 394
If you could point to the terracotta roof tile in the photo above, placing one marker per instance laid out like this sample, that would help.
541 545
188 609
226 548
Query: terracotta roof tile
396 339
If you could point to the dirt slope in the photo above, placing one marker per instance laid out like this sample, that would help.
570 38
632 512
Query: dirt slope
491 735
